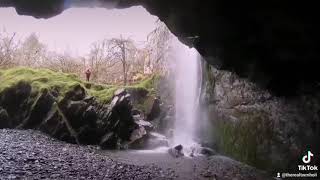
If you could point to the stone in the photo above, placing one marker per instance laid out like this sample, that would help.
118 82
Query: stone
15 101
74 112
77 117
4 119
78 93
90 116
138 133
136 112
156 140
109 141
137 117
89 99
176 151
150 140
155 110
39 110
178 147
147 125
207 151
114 102
120 92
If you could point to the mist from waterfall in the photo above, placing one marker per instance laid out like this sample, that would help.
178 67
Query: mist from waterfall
187 93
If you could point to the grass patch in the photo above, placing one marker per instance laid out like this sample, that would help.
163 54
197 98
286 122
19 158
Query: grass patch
148 84
41 79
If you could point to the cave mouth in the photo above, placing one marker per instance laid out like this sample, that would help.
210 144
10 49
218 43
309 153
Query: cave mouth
278 53
79 37
126 47
273 44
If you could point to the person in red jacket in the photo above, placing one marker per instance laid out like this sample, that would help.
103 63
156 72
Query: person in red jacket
88 74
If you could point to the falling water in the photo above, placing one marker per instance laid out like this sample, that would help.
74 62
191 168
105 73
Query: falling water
188 87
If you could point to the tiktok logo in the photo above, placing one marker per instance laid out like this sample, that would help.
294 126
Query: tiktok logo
307 158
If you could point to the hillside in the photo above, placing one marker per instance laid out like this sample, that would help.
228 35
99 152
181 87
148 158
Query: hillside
41 79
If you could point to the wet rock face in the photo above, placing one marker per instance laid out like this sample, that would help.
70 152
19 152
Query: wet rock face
176 151
273 43
76 118
155 110
15 101
4 118
257 127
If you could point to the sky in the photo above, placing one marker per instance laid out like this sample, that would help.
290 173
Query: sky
77 28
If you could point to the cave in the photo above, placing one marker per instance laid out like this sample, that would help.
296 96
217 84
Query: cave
261 82
271 43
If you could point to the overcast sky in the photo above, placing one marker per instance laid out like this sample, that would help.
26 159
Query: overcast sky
77 28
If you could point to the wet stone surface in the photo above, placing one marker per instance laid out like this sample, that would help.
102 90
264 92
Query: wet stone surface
28 154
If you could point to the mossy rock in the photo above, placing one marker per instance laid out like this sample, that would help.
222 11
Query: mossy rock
249 138
59 82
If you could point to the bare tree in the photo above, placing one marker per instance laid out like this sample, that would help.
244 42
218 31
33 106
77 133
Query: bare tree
100 60
32 51
8 48
158 46
62 63
123 50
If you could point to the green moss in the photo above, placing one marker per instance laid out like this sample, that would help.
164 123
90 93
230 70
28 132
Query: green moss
41 79
38 78
148 84
104 95
209 74
146 104
242 139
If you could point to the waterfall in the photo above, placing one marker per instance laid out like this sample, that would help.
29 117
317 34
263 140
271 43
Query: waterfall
187 94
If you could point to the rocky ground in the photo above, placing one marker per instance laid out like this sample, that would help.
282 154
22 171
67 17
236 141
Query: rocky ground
215 167
28 154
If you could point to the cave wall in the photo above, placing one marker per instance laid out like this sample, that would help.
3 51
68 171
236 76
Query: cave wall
252 125
268 123
273 43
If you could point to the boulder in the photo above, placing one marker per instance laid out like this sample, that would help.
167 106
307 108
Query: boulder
90 116
156 140
120 92
89 99
17 100
136 112
39 110
150 140
138 134
74 112
155 110
147 125
4 119
138 94
109 141
125 127
78 93
77 118
176 151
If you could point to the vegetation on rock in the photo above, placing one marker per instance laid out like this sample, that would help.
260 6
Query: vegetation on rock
71 110
41 79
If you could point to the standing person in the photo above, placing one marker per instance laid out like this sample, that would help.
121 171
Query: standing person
88 74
